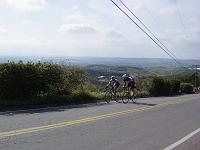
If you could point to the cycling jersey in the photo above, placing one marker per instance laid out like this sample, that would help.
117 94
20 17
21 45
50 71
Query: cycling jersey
114 82
129 81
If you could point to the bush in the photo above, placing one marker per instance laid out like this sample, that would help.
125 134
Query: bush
165 87
143 84
142 94
175 86
74 78
83 98
186 88
19 81
160 87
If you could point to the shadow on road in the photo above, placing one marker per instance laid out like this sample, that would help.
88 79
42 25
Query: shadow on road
146 104
17 111
50 109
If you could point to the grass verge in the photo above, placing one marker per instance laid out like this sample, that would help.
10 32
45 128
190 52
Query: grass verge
72 99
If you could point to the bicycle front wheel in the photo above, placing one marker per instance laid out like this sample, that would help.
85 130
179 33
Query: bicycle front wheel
125 97
134 99
117 96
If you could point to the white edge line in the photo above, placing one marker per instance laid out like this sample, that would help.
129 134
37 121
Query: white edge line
182 140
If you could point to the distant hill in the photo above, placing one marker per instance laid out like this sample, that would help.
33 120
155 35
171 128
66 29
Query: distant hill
85 61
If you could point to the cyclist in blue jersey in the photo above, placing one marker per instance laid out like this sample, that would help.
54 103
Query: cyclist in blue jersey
129 82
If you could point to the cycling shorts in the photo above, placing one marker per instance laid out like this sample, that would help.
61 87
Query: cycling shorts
131 84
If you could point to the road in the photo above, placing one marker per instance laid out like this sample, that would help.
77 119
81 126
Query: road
151 124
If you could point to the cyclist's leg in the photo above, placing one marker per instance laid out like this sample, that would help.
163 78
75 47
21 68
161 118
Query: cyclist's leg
114 90
133 90
115 87
129 88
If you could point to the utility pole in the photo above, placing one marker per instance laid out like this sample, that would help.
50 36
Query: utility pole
196 74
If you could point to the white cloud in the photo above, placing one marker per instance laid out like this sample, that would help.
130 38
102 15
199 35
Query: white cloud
114 33
97 25
25 5
74 9
77 28
26 22
3 31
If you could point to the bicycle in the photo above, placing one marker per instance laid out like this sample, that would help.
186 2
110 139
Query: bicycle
108 95
128 95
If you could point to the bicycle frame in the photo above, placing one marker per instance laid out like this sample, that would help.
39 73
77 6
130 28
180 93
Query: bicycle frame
126 95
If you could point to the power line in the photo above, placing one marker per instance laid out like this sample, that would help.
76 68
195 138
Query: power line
162 26
181 19
144 32
147 28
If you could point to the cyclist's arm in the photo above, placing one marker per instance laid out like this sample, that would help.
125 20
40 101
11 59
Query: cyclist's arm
108 84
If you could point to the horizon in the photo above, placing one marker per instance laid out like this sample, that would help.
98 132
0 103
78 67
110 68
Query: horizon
59 56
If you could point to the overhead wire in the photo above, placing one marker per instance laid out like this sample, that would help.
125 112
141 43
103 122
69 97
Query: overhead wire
146 33
181 19
147 28
161 26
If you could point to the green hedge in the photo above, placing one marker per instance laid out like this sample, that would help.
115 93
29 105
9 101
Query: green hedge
24 81
186 88
165 87
43 101
175 87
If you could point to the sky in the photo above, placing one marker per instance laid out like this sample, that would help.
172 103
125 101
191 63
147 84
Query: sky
97 28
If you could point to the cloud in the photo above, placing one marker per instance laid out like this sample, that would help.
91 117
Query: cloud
77 28
74 9
97 25
25 5
114 33
26 22
3 31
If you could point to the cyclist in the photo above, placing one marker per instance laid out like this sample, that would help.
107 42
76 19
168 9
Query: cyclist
129 82
114 84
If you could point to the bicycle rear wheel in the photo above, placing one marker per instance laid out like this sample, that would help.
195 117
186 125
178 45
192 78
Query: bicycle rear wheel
108 96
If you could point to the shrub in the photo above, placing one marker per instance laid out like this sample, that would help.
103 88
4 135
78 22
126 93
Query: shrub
175 86
19 81
143 84
142 94
165 87
160 87
186 88
74 77
51 79
82 98
87 87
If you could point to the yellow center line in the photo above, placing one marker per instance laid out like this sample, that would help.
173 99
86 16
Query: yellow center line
88 119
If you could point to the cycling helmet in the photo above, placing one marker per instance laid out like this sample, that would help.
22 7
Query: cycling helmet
112 77
124 76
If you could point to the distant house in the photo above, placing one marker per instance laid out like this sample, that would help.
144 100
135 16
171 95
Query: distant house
101 79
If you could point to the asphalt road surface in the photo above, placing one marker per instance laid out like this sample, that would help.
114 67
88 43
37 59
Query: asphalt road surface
151 124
